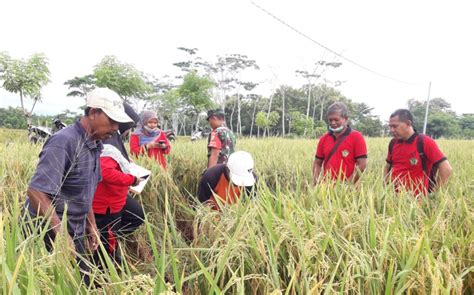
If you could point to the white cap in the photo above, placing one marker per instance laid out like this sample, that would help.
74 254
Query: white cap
109 102
240 166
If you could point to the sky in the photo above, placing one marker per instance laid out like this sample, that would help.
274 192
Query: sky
408 43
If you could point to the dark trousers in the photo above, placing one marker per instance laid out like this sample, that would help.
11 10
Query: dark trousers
120 224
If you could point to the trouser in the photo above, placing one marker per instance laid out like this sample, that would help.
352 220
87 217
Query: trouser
120 224
32 225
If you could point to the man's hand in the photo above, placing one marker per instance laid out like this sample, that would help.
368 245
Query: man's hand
317 167
93 237
91 231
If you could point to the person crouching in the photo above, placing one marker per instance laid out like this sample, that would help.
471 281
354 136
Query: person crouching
224 183
110 199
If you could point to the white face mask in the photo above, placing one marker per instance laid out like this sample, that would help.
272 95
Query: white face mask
149 129
336 130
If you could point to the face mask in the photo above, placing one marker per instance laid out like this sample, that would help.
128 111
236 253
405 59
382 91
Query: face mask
150 129
336 130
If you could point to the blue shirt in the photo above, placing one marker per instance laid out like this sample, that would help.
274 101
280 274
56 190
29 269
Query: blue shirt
68 172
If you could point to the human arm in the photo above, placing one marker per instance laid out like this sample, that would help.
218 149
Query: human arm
164 144
386 172
360 154
361 164
135 148
444 172
213 157
317 168
91 231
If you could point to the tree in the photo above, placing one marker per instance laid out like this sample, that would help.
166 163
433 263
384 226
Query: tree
226 74
466 122
441 119
195 93
81 86
364 121
25 77
123 78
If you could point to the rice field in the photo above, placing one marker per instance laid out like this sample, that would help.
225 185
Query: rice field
292 238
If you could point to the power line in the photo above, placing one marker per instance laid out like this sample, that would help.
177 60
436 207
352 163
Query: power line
329 49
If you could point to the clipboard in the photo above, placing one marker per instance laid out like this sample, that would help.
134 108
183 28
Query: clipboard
139 172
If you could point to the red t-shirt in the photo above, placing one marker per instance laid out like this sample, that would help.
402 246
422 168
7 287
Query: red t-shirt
342 162
406 167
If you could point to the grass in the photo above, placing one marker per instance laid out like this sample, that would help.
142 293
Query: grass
293 238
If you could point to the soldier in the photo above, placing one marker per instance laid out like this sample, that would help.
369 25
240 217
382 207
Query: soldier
221 141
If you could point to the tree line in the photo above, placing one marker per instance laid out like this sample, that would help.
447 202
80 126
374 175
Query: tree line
181 100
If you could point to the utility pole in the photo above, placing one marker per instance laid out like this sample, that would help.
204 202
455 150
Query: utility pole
427 108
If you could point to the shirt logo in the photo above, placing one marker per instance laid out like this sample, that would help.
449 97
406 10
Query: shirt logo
345 153
413 161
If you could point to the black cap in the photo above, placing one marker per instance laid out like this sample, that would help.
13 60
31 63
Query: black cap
216 112
133 115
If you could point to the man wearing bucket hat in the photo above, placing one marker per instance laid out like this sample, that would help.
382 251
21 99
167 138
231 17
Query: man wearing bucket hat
68 172
221 141
224 183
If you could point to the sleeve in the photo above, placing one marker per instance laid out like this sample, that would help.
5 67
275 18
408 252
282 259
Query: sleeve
111 173
214 141
320 149
165 139
432 151
360 147
135 148
49 174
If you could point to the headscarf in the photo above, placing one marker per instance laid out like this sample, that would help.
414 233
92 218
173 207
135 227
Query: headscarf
112 152
145 134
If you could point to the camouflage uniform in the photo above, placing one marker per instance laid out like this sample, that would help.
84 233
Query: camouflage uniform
223 139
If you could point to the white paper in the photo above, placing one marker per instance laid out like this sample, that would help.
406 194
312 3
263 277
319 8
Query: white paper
139 172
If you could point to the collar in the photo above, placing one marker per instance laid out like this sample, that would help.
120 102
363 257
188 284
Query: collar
90 143
347 132
409 140
222 125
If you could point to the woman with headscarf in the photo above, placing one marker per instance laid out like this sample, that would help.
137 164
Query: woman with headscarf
150 139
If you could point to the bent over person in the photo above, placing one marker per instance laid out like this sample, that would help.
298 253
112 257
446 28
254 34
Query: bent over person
224 183
68 172
342 151
414 161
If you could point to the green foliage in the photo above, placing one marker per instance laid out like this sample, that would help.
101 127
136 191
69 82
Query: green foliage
442 121
25 77
195 92
300 123
12 118
81 85
121 77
